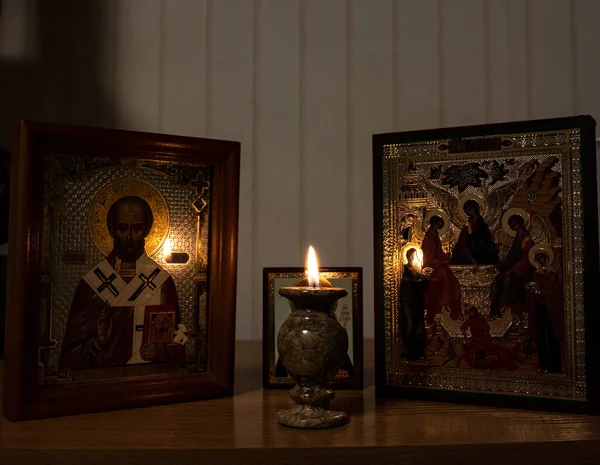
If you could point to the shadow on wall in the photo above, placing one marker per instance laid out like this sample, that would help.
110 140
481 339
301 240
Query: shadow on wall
51 54
52 59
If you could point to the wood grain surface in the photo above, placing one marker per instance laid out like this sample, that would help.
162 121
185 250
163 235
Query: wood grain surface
244 429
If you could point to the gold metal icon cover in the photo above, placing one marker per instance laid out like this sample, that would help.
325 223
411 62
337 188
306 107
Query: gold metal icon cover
78 194
497 212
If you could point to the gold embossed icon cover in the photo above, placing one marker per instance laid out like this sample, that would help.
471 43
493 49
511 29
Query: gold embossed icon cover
486 244
96 305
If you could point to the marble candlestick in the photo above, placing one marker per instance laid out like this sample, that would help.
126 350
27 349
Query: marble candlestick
312 345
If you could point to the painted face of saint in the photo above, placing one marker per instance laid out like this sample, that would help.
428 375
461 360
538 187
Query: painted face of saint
515 225
437 225
541 259
472 312
130 231
470 211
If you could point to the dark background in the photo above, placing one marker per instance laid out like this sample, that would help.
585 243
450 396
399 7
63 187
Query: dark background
4 190
34 76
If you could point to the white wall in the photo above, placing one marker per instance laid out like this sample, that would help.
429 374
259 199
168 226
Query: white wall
303 84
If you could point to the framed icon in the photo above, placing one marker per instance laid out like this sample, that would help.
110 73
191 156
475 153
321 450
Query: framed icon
122 267
486 251
348 311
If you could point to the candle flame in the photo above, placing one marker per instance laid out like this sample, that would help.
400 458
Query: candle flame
168 248
312 268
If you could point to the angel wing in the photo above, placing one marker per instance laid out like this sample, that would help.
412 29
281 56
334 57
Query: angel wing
536 190
542 191
498 199
539 231
445 201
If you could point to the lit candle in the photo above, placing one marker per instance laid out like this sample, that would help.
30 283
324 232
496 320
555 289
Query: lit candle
312 268
312 346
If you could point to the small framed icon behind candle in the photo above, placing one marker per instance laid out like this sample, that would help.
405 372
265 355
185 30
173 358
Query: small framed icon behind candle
348 311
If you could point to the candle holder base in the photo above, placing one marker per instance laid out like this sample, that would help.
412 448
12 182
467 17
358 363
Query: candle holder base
312 409
311 417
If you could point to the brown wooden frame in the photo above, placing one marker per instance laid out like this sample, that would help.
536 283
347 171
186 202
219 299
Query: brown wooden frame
354 382
23 398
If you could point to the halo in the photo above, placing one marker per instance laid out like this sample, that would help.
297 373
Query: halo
471 196
514 211
120 188
405 248
441 213
541 248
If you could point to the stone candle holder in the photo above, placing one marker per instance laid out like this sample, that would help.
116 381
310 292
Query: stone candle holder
312 345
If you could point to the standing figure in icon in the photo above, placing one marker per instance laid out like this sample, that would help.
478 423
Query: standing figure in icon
125 309
507 291
481 352
475 244
413 287
545 305
443 292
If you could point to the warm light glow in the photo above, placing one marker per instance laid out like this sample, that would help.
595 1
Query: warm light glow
168 248
312 268
417 259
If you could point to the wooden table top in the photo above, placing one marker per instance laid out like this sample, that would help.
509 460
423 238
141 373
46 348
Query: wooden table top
244 429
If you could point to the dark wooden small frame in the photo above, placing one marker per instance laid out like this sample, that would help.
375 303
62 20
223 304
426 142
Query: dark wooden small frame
586 175
23 398
270 339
